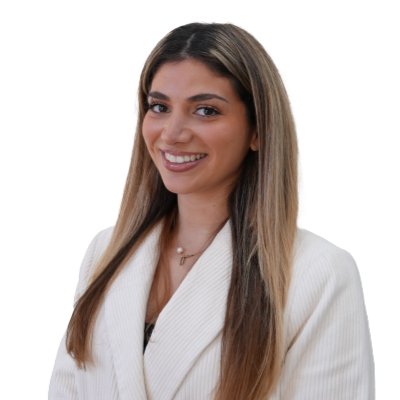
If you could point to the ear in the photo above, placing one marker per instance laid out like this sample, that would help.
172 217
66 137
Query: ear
254 140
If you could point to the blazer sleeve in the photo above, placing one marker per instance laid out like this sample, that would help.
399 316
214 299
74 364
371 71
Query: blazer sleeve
330 353
62 383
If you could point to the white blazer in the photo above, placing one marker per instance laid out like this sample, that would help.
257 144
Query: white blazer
327 339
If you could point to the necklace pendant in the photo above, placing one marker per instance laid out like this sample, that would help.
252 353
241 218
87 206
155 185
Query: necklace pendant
182 260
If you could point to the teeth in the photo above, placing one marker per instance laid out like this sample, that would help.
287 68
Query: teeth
183 159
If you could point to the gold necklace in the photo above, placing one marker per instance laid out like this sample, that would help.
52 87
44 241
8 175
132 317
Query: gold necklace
180 249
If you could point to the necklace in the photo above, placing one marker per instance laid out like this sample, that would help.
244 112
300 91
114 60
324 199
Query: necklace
180 250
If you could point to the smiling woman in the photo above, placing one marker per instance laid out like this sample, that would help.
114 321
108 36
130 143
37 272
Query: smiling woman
206 288
190 105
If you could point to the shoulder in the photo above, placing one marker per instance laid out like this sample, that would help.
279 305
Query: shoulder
314 253
95 249
325 284
101 241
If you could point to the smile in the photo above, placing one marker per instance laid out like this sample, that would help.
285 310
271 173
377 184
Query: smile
183 159
182 163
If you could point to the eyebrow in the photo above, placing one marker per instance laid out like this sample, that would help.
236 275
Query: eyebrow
192 99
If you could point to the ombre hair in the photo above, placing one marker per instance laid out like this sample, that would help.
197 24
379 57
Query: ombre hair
263 209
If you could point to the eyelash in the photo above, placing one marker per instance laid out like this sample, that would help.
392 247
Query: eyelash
152 105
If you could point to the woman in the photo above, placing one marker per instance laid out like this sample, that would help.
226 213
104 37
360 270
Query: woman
206 288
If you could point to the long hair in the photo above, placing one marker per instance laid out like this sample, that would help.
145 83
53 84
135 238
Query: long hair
263 209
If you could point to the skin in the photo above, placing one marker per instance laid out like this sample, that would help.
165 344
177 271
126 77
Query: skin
215 126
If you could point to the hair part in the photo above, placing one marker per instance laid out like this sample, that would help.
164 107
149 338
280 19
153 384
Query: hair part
263 208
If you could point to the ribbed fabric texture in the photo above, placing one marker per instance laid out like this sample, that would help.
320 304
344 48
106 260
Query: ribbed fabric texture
327 339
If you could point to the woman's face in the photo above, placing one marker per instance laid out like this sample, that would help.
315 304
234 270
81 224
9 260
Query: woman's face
196 129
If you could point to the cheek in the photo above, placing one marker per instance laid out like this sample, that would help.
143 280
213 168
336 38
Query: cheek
230 141
150 131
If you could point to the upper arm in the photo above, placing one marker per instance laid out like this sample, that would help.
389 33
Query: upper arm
330 354
62 383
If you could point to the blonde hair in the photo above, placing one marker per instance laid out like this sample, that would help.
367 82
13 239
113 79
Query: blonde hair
263 208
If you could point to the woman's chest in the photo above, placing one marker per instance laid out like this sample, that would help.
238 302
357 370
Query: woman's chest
176 274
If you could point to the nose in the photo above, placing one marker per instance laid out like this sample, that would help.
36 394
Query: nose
176 129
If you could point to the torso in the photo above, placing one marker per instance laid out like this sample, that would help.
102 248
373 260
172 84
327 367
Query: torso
177 275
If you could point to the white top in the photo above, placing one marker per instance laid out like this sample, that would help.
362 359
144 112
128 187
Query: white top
327 339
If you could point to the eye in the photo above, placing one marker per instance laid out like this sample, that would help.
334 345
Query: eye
207 111
158 108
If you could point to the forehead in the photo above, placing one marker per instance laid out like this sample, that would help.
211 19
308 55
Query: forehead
190 77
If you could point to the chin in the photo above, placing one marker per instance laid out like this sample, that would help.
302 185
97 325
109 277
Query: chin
178 189
179 186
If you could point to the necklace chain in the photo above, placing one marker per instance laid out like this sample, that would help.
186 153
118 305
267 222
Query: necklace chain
180 249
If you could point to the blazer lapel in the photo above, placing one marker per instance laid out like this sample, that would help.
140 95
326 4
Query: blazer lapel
193 317
189 322
125 312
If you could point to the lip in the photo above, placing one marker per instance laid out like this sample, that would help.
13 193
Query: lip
183 166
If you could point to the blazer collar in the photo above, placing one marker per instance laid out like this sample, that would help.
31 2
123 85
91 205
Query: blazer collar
193 317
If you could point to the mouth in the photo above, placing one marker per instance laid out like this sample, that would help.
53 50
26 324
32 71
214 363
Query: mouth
183 162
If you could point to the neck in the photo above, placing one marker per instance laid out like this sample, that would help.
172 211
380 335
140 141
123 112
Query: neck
199 216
